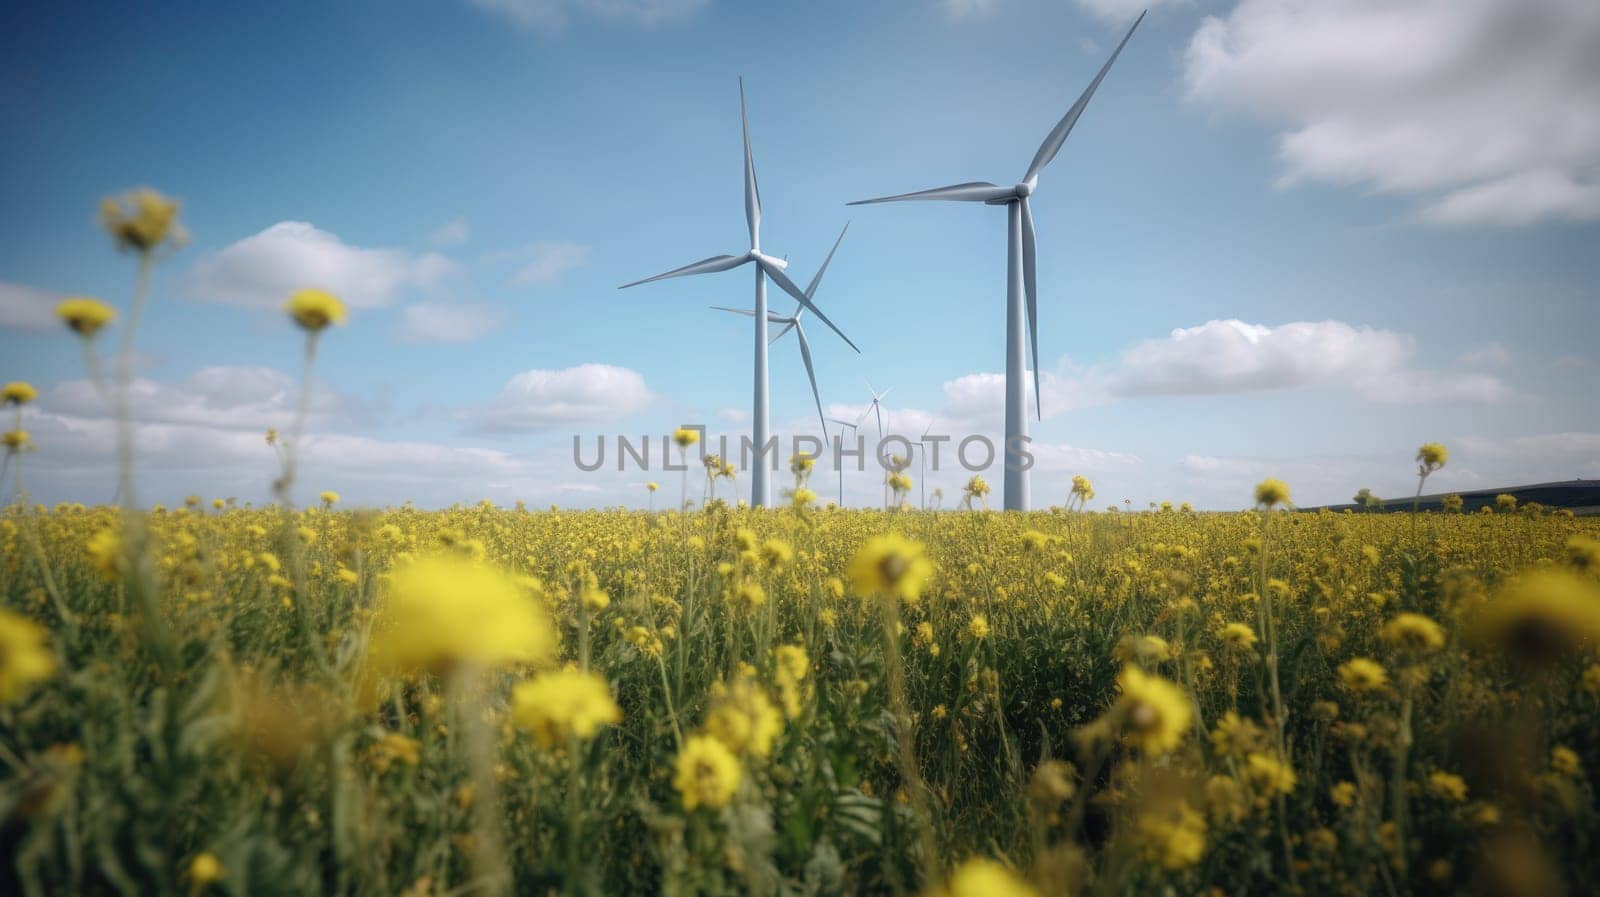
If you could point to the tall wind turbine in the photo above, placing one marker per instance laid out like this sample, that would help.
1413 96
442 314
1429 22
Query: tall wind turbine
922 477
1021 278
792 322
766 266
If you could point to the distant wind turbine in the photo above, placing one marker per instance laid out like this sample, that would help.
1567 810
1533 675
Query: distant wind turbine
1020 277
852 426
766 266
922 475
876 407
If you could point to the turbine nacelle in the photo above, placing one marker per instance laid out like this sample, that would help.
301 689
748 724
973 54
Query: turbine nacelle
757 256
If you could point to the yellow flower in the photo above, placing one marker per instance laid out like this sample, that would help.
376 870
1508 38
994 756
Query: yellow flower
560 705
1583 554
1414 633
1155 713
1432 456
329 498
18 393
1544 615
1173 834
743 719
685 437
652 486
25 658
1272 492
1343 794
314 310
978 628
890 567
776 553
1447 785
394 747
442 611
1269 774
979 877
1239 636
16 440
141 220
1361 675
707 773
105 552
205 869
85 316
750 595
1564 760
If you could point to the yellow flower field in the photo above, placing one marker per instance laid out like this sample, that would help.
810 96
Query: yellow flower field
428 702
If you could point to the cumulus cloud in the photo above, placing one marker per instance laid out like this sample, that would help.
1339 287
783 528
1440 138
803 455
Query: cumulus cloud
223 397
548 261
27 308
1488 110
1123 11
260 271
550 15
541 399
1232 356
448 322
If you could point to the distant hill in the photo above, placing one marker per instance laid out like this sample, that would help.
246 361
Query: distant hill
1580 496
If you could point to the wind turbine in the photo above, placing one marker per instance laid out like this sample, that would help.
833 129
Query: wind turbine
876 407
1021 277
766 266
922 472
792 322
843 425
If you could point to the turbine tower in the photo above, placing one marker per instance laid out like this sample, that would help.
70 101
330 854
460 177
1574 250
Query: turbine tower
1021 280
852 426
766 266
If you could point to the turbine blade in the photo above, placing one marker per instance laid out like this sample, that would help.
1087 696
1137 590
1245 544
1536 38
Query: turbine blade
975 191
805 356
1030 284
811 288
787 285
704 266
738 311
752 192
883 395
788 326
1058 134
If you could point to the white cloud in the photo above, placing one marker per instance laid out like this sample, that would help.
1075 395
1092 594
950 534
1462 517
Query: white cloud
27 308
540 400
549 15
454 231
1487 109
261 271
551 260
1060 457
734 415
221 397
1232 356
448 322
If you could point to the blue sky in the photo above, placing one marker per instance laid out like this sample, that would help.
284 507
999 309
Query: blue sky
1404 244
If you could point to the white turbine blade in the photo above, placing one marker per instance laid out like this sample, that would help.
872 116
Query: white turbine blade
787 285
973 191
805 356
788 325
752 192
1030 283
1058 134
885 394
704 266
738 311
811 288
